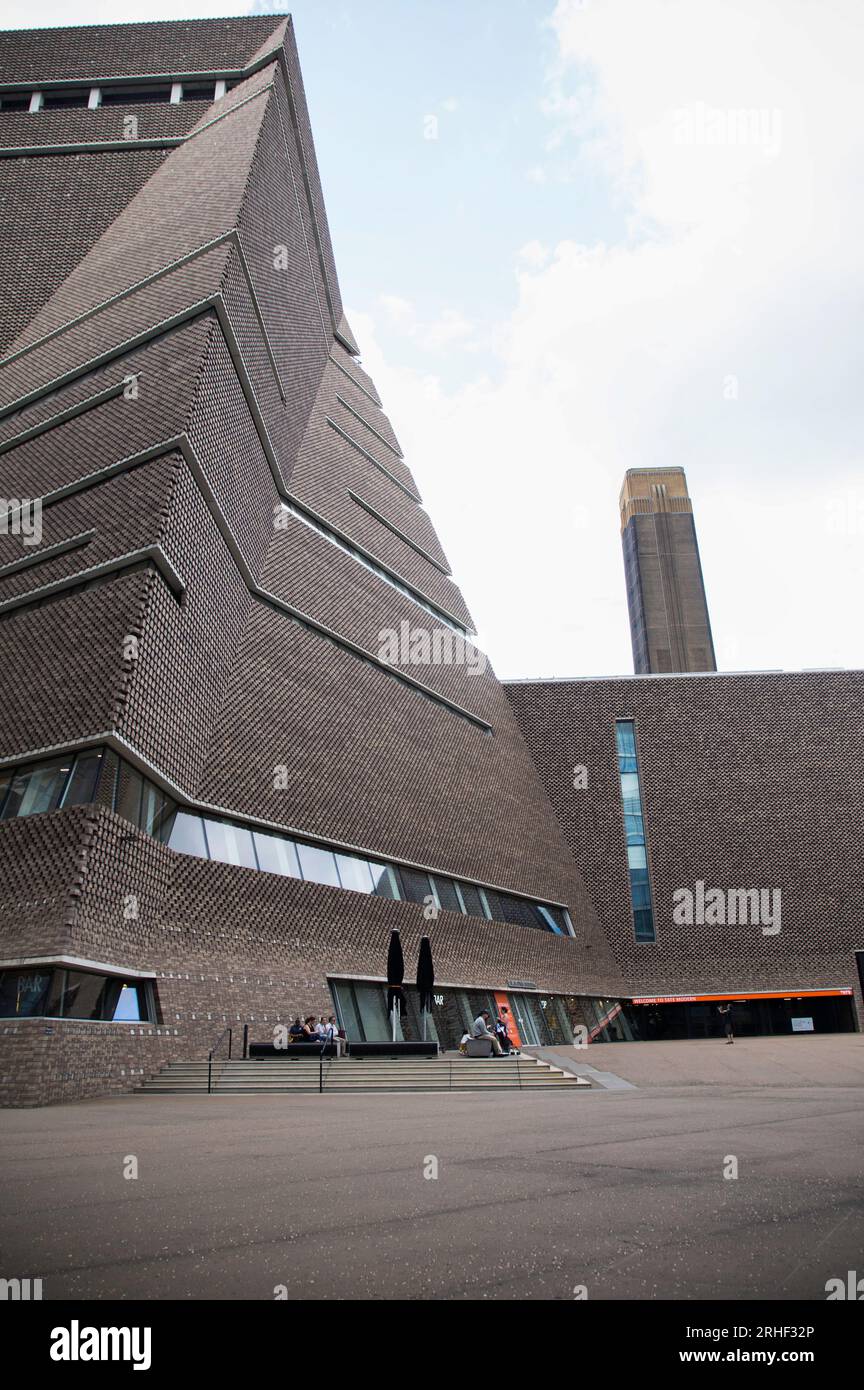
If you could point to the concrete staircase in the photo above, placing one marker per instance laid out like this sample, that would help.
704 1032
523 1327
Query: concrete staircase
346 1075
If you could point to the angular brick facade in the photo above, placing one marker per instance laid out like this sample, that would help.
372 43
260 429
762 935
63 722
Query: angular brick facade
229 527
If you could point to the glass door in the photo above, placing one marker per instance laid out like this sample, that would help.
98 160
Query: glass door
525 1021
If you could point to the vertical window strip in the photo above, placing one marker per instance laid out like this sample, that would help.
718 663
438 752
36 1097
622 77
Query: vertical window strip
634 826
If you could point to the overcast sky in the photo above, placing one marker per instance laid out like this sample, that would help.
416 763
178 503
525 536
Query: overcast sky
582 237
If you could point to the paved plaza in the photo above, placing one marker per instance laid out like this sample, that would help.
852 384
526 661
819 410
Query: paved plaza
620 1191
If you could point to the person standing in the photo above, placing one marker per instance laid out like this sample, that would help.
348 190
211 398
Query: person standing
725 1012
503 1035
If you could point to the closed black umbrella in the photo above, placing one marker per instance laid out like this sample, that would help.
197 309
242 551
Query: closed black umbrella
395 976
425 979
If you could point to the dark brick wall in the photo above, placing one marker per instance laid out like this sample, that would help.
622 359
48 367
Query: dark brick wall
55 208
42 860
753 780
228 945
114 50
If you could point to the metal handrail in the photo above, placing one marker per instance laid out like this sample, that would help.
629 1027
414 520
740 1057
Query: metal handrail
210 1056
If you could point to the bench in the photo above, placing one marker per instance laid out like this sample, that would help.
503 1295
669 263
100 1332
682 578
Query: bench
258 1051
478 1047
393 1049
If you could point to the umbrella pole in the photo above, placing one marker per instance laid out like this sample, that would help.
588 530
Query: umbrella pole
425 1017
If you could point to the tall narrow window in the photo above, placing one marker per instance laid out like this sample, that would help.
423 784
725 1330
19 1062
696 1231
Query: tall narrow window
634 829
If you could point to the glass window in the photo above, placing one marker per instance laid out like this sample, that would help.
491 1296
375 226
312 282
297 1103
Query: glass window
84 995
636 857
127 96
81 786
518 912
640 893
56 993
36 788
371 1005
472 900
354 873
127 800
630 794
384 881
318 865
416 887
625 738
230 844
276 854
346 1008
552 919
5 783
151 806
497 911
634 829
643 920
187 835
23 993
64 98
130 1006
199 91
447 895
157 811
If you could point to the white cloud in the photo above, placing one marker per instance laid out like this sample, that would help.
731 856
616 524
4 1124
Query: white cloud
723 336
449 329
534 254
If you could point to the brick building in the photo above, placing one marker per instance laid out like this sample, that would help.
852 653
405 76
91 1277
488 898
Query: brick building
743 782
221 787
245 731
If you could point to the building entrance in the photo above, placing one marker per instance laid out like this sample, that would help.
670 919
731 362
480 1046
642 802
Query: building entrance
756 1015
539 1020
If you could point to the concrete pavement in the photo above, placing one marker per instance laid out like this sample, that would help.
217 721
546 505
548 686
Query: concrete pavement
535 1195
823 1059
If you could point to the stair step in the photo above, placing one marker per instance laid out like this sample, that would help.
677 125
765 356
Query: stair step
361 1076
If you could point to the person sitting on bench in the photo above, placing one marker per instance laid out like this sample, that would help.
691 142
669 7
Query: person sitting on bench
501 1032
481 1030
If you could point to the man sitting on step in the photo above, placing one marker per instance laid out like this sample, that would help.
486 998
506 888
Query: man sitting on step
481 1030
